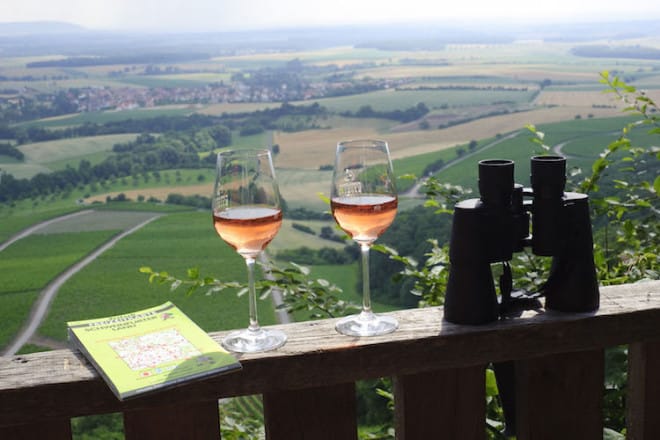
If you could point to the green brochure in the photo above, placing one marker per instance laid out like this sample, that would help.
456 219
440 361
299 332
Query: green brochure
149 350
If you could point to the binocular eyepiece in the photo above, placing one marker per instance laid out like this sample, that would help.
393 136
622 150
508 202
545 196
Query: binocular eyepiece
491 228
496 182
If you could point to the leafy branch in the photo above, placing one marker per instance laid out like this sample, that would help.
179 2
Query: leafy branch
298 289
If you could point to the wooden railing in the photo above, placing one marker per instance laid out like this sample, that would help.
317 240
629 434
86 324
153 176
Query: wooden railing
308 385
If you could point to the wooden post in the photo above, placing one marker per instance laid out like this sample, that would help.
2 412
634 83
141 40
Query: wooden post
198 421
55 430
560 396
442 404
321 413
643 404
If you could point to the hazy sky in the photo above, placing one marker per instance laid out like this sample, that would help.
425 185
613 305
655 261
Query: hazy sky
190 15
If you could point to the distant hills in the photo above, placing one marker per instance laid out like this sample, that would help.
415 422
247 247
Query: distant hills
48 37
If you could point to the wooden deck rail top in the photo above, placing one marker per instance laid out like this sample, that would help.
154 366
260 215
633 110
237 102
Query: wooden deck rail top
60 384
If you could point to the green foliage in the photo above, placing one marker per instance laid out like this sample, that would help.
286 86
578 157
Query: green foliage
375 402
538 139
420 235
430 279
628 249
324 255
242 418
494 411
300 292
98 427
303 228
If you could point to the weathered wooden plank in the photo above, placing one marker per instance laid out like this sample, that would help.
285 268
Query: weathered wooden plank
560 396
199 421
443 404
320 413
53 430
316 355
643 403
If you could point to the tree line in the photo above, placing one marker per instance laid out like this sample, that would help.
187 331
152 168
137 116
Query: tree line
7 149
407 115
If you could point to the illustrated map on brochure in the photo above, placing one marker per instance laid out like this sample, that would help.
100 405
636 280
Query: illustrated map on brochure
149 350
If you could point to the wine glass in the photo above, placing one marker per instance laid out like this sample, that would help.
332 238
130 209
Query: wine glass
247 214
364 203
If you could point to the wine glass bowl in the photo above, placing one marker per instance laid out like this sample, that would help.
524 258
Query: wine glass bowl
364 204
248 229
364 218
247 215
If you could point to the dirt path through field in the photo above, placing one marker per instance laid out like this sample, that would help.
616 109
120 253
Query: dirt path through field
40 307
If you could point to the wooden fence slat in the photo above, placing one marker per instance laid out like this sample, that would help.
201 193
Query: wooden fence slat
53 430
643 403
560 396
321 413
441 404
198 421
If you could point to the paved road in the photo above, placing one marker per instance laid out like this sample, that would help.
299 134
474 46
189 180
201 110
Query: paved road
40 307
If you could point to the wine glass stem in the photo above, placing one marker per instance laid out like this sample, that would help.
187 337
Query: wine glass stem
252 295
366 293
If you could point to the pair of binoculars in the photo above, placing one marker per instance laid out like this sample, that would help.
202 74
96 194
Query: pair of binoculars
493 227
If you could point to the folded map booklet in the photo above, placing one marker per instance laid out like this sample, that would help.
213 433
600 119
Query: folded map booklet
149 350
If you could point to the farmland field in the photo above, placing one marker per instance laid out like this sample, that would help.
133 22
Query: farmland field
76 149
31 263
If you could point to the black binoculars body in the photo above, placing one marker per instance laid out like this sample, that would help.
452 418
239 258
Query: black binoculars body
492 228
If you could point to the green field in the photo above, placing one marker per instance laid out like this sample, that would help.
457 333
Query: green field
15 308
57 155
44 157
54 151
28 265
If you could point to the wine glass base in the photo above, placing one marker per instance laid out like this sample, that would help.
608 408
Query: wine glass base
366 324
253 341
